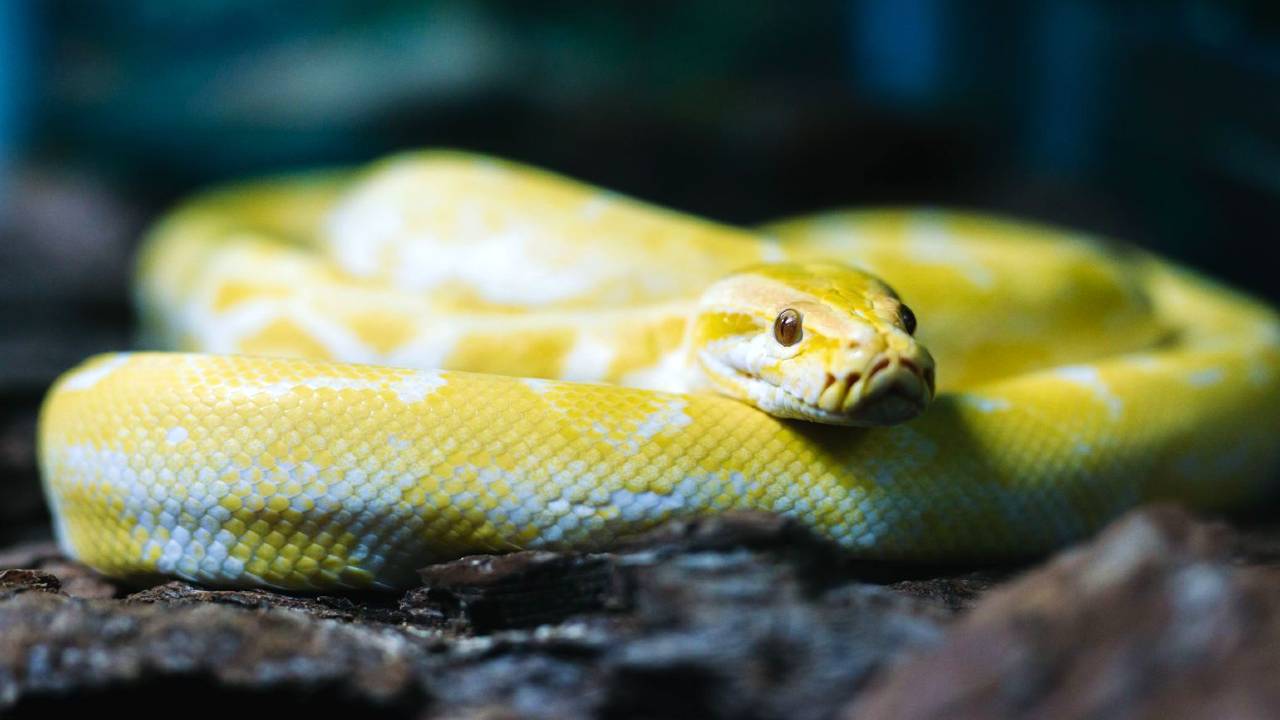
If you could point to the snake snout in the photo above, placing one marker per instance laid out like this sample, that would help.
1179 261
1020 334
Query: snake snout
895 389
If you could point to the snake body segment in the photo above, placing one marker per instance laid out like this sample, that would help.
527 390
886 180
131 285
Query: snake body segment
1138 381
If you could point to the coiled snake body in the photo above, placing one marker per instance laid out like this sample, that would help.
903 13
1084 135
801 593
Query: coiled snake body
294 450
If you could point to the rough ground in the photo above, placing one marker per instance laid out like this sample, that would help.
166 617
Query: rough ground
748 616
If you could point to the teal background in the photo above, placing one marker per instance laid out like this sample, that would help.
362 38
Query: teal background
1154 122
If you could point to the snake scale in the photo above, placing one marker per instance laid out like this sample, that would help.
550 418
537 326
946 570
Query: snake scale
445 354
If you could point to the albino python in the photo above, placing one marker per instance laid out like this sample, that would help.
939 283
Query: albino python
1073 380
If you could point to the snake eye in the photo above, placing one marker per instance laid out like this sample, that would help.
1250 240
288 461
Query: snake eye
788 328
907 318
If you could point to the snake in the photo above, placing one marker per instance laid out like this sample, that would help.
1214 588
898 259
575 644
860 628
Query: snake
353 373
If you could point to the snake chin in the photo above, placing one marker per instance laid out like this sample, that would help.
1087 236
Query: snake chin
899 402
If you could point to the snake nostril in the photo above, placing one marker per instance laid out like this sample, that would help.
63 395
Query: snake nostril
880 365
830 380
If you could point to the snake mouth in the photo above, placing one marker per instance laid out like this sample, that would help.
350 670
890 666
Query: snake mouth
775 399
896 403
894 390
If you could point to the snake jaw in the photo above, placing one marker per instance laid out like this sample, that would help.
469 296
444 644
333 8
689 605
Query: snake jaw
896 389
753 389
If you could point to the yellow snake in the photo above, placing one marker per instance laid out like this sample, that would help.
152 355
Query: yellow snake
289 446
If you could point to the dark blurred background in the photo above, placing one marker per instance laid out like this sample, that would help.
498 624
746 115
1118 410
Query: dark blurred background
1151 121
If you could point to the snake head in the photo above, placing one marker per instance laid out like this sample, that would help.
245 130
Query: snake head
817 341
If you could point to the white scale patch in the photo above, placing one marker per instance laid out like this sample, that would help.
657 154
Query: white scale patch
85 379
538 385
930 243
225 332
201 553
1148 363
596 205
338 340
503 267
671 416
193 555
1206 377
511 258
221 333
409 389
770 252
415 387
1089 377
588 360
984 404
429 349
526 501
670 374
837 230
638 506
357 231
1270 335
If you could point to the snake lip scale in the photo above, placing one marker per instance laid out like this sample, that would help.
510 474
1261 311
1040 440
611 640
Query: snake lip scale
442 354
